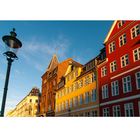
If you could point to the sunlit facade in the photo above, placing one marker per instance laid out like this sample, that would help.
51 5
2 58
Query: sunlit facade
28 107
77 91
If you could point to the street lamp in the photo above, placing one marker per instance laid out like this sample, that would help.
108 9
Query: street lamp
12 46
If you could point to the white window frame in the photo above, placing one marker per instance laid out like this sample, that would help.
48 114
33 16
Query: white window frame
116 110
137 78
127 82
103 71
135 31
112 47
113 66
120 23
122 39
129 106
115 88
94 113
105 93
106 112
81 83
137 53
124 59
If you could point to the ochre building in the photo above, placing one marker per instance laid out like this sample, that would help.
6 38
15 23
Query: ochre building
28 107
76 94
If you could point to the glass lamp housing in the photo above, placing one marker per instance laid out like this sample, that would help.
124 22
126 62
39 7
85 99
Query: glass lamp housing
12 44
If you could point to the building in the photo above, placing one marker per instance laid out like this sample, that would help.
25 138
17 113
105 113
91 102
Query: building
76 94
50 79
27 107
119 71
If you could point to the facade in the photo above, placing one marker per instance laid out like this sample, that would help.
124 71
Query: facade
28 107
77 91
119 72
50 79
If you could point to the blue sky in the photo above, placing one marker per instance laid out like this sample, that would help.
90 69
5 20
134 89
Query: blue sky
80 40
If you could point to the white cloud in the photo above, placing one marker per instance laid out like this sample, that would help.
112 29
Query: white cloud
37 53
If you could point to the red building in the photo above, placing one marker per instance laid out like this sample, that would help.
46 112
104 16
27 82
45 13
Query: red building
119 72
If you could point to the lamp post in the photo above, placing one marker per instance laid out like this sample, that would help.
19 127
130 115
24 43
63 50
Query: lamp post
12 46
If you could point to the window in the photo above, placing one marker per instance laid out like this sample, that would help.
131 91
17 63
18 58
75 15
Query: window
106 112
93 77
36 101
104 91
124 60
120 23
135 31
86 97
94 113
30 100
81 99
76 85
60 94
136 54
62 105
103 71
93 95
67 104
71 103
62 91
87 114
116 111
76 73
138 80
80 83
122 40
87 80
113 66
75 101
115 88
127 87
129 110
112 47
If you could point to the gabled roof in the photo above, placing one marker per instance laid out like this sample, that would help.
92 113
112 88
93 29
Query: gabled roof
110 31
72 63
54 62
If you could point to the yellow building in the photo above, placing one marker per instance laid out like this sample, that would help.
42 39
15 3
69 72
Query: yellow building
28 107
76 94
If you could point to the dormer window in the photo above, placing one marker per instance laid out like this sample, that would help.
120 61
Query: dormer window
120 23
